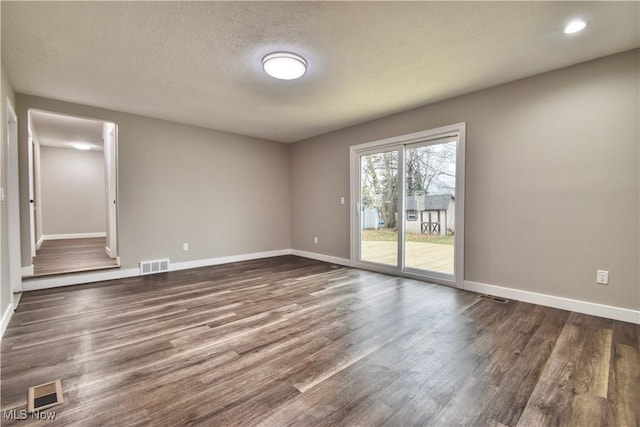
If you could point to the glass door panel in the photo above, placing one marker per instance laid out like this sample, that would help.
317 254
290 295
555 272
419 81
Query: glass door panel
430 204
379 200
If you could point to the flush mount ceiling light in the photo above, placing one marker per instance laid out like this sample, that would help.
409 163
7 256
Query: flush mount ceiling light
284 65
81 146
575 26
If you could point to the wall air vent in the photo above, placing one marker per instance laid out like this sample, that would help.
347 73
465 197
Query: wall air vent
155 266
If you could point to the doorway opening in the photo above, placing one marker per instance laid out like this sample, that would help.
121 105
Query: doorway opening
72 193
408 218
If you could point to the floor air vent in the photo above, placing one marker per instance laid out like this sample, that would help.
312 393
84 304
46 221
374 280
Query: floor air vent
152 267
45 396
495 299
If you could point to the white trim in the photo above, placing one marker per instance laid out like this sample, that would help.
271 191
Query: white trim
39 243
36 284
585 307
110 137
594 309
73 236
27 271
425 135
16 300
461 155
13 201
354 209
226 259
457 131
321 257
99 276
6 318
32 197
108 252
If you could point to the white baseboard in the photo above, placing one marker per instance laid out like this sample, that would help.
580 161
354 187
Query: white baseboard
594 309
27 271
99 276
72 236
39 243
6 317
108 252
17 296
226 259
36 284
320 257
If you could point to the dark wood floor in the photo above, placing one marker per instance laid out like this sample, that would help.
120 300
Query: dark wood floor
71 255
289 340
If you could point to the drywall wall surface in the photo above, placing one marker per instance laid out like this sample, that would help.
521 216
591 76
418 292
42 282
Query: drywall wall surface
73 191
224 194
552 182
6 95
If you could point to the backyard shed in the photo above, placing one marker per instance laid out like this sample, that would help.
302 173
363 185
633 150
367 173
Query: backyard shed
430 214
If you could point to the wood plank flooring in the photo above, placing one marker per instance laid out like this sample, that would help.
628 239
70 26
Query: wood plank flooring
292 341
71 255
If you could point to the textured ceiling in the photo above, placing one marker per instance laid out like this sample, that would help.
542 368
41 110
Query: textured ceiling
199 62
57 130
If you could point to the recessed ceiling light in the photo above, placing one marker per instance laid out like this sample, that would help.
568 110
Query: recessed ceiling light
575 26
284 65
81 146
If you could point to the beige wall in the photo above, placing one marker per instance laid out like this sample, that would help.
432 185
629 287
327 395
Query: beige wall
73 191
5 287
552 182
180 183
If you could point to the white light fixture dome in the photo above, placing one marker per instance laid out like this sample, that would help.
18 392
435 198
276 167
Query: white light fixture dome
284 65
575 26
82 146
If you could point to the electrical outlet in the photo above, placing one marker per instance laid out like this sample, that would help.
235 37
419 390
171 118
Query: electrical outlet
315 240
342 200
602 277
185 247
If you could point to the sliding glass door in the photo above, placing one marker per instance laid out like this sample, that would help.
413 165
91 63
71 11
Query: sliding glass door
379 206
430 206
408 216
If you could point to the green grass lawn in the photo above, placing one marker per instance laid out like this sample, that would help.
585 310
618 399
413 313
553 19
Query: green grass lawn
385 235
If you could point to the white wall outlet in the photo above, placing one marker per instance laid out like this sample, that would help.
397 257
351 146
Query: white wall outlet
185 247
315 240
602 277
342 200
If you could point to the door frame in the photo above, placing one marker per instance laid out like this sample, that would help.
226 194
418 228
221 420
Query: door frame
32 195
110 140
111 215
356 248
399 142
13 202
